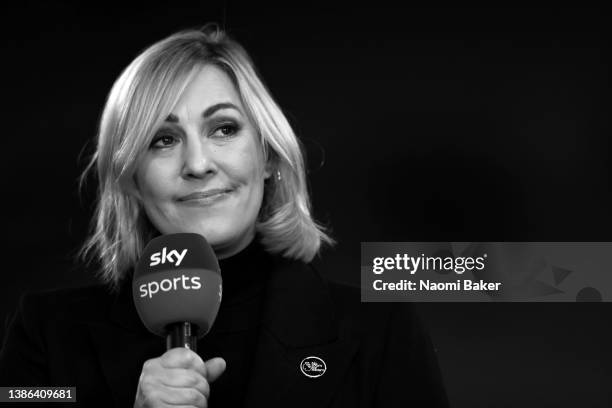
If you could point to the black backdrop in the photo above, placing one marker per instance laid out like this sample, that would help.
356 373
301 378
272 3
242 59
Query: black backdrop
433 124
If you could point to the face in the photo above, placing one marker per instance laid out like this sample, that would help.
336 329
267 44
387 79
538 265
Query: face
204 171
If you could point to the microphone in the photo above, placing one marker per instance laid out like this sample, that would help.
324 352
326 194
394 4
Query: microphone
177 288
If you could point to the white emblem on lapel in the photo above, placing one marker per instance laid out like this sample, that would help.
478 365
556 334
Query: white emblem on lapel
313 367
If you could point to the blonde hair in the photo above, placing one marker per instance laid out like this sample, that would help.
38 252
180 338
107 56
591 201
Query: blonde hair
140 100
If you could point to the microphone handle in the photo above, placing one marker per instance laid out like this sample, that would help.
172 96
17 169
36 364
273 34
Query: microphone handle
182 334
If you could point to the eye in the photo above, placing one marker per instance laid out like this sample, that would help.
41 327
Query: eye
225 131
163 140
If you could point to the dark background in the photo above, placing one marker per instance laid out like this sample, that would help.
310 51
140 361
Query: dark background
433 124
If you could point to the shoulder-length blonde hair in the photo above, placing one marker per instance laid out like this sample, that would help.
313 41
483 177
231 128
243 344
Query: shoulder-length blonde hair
139 101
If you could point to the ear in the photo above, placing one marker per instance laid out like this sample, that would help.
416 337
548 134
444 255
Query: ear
269 169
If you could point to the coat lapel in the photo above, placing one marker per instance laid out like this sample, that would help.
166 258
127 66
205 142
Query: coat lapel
299 322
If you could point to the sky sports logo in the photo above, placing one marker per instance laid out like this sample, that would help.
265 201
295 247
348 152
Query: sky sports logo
169 284
174 257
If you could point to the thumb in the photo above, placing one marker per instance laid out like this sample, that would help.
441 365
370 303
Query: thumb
215 367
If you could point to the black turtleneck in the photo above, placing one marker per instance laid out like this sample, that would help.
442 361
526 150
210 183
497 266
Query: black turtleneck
233 336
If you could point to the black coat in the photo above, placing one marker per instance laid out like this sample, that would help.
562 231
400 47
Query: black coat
376 354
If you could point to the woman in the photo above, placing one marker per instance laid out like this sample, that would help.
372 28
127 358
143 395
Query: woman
191 141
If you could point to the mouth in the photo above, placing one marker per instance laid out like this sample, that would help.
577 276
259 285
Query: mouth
207 195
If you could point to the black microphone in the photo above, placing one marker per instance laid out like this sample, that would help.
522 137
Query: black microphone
177 288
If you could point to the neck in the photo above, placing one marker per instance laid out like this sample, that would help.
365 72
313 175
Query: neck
245 272
231 249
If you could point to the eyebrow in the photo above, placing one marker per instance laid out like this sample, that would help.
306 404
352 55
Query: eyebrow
208 112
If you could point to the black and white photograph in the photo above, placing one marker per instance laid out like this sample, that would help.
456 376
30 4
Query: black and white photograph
216 204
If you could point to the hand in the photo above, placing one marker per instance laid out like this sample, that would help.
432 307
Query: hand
178 377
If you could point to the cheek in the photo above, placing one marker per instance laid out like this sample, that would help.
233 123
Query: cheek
252 163
255 176
256 190
153 183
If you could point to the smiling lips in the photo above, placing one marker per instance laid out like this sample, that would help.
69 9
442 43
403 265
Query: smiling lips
203 195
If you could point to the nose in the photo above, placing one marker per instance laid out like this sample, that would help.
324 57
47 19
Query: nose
198 159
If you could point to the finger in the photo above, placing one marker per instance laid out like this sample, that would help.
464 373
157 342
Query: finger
181 357
215 367
185 378
186 406
180 396
205 405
